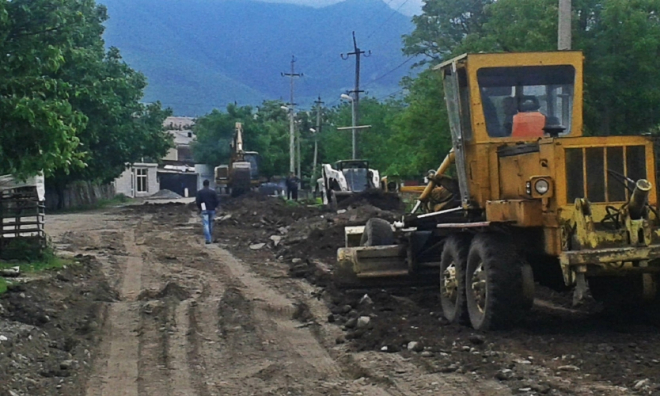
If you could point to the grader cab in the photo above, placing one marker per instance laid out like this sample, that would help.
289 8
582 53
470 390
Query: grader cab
530 197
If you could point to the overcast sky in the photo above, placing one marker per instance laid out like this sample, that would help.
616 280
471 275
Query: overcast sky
407 7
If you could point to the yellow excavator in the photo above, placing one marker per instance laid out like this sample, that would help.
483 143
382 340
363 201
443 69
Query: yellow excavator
242 173
531 199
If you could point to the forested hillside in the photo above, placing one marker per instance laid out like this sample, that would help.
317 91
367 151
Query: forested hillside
204 54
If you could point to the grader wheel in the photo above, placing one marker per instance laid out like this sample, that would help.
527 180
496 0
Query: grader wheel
495 291
377 232
452 278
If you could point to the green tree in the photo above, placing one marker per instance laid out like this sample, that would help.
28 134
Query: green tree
39 125
445 26
265 130
68 108
421 136
121 130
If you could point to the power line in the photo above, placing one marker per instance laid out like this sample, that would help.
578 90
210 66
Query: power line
389 72
388 18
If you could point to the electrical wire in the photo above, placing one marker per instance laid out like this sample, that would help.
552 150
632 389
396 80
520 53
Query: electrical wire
386 20
389 72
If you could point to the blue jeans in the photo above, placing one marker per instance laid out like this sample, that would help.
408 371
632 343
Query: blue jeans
207 221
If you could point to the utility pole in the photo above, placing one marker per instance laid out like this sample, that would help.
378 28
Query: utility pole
564 26
316 136
292 137
298 150
356 91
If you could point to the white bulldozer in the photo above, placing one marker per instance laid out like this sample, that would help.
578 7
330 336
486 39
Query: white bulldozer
345 179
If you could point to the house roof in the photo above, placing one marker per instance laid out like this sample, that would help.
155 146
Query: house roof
181 129
179 122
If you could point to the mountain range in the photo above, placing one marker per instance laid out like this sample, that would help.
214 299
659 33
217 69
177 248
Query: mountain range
204 54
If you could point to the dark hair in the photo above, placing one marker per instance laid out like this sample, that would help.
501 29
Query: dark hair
206 183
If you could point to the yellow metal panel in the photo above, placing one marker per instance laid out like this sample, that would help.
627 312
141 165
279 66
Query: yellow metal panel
552 241
412 189
523 213
515 171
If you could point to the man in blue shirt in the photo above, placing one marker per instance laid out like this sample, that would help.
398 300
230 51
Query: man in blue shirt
207 202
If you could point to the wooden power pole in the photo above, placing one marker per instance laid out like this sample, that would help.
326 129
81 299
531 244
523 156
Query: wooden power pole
356 91
292 135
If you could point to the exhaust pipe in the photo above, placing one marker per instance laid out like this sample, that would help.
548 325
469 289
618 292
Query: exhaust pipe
638 199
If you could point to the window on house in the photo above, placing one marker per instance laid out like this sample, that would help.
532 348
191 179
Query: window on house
141 180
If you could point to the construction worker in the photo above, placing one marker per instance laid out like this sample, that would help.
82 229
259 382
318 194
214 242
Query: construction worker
207 202
292 183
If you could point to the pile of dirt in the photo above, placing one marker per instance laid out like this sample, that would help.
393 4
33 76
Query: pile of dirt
165 194
299 235
374 197
49 328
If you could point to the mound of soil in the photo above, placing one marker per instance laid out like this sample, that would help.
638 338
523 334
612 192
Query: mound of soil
166 194
374 197
48 328
267 210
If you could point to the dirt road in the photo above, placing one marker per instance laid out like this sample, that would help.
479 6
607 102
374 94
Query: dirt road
192 319
151 310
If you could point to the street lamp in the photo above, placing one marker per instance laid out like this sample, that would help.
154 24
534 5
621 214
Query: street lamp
349 98
292 154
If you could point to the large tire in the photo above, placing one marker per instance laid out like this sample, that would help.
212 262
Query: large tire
452 278
377 232
494 282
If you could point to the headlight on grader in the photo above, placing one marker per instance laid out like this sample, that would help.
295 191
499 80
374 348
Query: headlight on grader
539 187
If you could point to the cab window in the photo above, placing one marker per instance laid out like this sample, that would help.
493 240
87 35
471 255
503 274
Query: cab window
527 101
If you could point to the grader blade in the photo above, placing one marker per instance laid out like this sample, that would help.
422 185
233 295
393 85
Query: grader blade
376 266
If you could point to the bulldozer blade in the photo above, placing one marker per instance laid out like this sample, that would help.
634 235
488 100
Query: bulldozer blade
377 266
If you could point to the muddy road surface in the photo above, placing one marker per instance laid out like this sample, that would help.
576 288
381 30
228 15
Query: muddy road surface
149 309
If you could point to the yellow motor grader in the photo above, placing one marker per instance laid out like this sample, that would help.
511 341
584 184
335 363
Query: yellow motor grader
527 195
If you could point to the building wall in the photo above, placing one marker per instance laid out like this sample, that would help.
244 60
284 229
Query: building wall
172 155
205 172
126 183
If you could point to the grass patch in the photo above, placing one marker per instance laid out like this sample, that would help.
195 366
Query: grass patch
30 258
45 260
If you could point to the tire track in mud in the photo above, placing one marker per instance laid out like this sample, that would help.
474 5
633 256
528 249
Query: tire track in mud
292 360
165 324
118 375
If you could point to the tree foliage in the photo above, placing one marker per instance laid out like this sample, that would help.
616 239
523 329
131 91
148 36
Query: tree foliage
68 107
265 130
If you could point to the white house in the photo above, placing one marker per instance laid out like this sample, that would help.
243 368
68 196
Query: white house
177 171
139 180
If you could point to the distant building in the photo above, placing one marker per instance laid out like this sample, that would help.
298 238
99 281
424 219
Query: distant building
181 129
139 180
176 173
